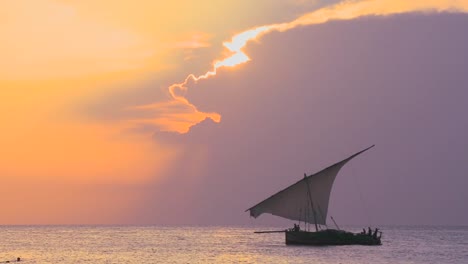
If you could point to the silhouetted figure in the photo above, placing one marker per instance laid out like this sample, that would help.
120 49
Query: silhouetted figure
18 259
296 228
370 231
363 231
375 233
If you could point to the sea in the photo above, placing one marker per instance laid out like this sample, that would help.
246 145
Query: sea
220 244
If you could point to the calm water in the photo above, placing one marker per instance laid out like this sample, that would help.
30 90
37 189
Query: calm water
87 244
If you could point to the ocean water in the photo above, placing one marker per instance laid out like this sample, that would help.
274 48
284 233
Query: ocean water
153 244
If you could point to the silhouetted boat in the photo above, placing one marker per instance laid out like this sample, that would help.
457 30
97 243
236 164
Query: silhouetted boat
307 201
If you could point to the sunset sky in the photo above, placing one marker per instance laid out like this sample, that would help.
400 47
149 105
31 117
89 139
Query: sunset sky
190 112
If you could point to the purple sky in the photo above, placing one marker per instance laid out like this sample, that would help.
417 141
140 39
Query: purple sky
312 96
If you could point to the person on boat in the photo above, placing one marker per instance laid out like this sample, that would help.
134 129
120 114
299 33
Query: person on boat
363 231
370 231
296 228
375 233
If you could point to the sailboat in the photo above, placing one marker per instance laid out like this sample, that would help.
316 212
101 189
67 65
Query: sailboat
307 201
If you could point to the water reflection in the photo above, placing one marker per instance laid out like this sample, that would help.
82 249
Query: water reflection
82 244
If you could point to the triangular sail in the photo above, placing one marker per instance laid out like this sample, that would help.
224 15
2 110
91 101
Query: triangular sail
301 202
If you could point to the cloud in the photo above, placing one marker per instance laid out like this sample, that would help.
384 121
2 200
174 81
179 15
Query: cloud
347 10
194 40
198 133
312 96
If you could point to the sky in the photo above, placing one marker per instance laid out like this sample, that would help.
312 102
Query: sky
190 112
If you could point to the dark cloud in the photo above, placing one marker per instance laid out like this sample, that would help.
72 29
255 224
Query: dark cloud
314 95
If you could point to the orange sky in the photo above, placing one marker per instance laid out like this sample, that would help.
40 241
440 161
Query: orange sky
58 56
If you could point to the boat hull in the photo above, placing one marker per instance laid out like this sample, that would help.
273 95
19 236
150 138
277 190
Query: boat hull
330 237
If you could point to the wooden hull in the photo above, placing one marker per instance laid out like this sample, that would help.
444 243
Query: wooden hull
329 237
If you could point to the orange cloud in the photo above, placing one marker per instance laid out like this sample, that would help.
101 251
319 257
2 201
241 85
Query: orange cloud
193 40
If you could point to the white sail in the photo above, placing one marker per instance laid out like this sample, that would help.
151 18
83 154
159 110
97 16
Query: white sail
306 200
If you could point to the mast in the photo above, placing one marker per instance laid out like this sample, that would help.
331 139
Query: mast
311 201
